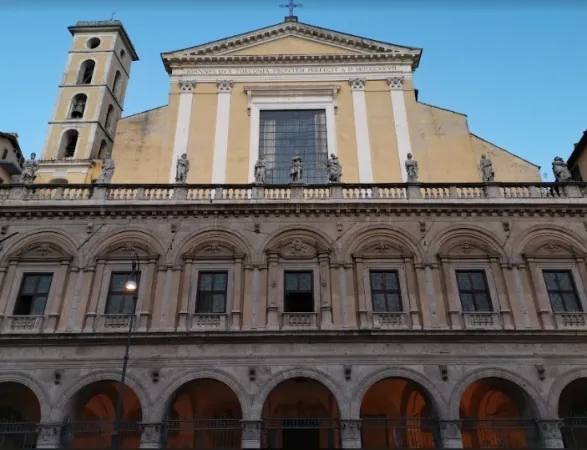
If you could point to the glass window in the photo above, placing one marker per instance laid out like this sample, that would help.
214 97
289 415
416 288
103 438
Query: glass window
385 291
33 294
120 300
299 292
473 291
284 133
561 291
211 296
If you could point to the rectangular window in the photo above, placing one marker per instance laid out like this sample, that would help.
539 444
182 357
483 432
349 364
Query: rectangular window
211 296
473 291
33 293
385 291
299 292
120 300
284 133
561 291
5 153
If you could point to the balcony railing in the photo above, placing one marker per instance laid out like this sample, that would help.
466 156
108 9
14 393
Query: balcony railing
401 192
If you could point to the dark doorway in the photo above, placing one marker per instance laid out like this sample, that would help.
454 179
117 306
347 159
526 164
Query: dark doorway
301 438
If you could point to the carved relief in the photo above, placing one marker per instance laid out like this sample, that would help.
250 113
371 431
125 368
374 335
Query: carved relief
466 248
224 85
125 251
382 248
297 249
42 251
187 86
215 250
357 83
395 83
552 249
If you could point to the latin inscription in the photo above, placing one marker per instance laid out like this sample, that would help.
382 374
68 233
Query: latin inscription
288 70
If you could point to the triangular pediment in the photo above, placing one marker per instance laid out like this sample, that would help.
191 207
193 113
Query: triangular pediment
293 38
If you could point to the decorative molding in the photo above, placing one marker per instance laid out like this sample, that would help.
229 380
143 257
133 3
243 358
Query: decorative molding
358 84
187 85
395 83
224 85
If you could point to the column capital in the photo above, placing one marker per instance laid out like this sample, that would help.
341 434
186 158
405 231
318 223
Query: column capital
395 83
150 435
187 85
251 437
351 433
224 85
358 84
48 435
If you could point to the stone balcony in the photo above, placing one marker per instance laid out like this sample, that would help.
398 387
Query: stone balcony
440 193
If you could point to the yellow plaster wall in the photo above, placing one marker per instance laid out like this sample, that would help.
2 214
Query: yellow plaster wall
292 45
346 140
143 145
80 40
5 177
200 148
382 136
507 167
101 59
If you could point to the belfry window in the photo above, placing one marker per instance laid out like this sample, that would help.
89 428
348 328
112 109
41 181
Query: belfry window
299 292
78 106
285 133
116 84
86 72
108 122
33 294
68 144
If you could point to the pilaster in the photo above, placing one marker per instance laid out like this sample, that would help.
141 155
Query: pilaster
221 134
362 130
184 111
400 119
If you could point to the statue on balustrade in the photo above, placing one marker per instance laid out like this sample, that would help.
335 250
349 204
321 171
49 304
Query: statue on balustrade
107 170
487 169
561 172
334 169
412 169
181 169
29 170
260 171
296 170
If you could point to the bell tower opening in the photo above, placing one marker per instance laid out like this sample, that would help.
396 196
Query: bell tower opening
89 102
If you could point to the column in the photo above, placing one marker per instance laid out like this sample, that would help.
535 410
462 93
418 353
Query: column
415 313
144 307
55 306
184 314
182 128
551 434
454 309
150 435
48 436
325 294
251 437
400 119
5 301
363 310
450 434
221 133
542 301
237 297
92 311
362 130
272 306
502 294
351 433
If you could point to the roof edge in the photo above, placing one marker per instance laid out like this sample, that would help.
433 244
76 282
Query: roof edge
105 25
504 150
579 148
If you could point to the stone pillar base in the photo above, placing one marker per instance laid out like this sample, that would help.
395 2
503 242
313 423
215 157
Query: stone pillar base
251 433
351 433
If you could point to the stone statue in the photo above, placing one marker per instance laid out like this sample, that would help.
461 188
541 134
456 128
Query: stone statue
107 170
29 170
562 174
182 168
296 170
412 169
334 169
487 169
260 171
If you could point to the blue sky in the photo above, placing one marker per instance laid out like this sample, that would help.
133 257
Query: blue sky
517 68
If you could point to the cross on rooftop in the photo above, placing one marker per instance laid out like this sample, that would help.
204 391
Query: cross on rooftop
291 5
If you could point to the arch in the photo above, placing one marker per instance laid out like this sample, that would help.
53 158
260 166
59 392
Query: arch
229 242
68 144
102 153
78 106
86 72
397 241
548 240
60 410
537 403
29 382
164 400
116 84
123 243
108 120
56 239
315 241
559 385
467 241
437 401
313 374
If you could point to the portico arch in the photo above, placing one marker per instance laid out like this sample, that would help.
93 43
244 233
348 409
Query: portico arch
20 412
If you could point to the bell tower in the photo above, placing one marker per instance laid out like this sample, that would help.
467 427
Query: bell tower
89 103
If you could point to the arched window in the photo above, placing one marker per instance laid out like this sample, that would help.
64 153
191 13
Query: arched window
86 72
109 114
58 181
68 143
103 149
78 106
116 84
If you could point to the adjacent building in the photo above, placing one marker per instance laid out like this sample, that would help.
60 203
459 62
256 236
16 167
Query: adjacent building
274 304
11 159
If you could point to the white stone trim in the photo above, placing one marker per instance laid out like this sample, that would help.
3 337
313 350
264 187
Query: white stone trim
400 119
362 130
299 101
182 129
221 134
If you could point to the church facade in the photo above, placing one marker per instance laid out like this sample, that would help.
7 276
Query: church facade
301 254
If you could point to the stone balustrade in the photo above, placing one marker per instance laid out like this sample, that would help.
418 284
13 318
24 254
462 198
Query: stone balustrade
400 192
